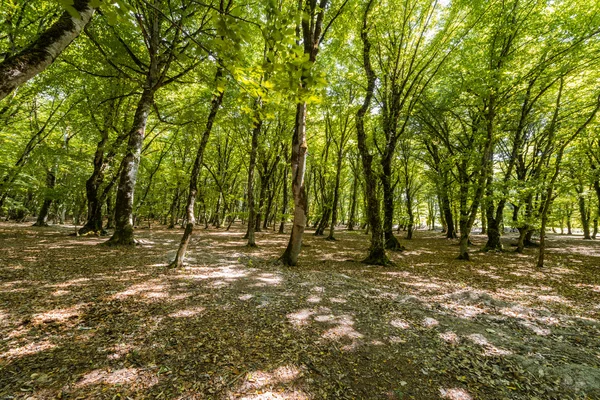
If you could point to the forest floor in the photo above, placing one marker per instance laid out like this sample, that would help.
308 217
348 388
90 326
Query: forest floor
78 320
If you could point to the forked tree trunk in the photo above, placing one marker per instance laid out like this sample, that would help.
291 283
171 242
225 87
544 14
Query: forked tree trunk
18 69
193 190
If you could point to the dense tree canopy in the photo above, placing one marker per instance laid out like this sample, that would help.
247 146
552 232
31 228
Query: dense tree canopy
379 115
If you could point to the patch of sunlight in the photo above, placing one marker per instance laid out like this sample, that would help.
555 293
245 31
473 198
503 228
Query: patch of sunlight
246 297
260 379
314 299
455 394
536 329
300 318
269 395
118 350
59 315
189 312
203 273
267 279
450 337
123 376
60 292
490 349
72 282
430 322
595 288
344 329
400 324
28 349
153 289
337 300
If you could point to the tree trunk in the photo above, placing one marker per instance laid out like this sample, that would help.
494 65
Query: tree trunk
411 215
123 234
298 165
336 193
92 186
285 201
352 216
193 190
377 254
391 242
42 218
251 167
584 212
18 69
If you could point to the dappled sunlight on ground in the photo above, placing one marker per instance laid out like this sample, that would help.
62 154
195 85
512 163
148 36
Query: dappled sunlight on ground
87 321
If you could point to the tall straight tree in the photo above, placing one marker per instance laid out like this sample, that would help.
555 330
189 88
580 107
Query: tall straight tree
313 32
164 44
377 254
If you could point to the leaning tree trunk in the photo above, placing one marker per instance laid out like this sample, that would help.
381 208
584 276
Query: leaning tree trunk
18 69
190 217
298 165
123 234
42 218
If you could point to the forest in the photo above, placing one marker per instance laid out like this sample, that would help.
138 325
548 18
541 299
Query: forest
308 199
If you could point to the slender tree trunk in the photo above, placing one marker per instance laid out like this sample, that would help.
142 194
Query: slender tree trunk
42 218
584 212
251 167
285 201
411 215
352 216
391 242
18 69
336 193
298 166
377 254
193 190
92 187
174 208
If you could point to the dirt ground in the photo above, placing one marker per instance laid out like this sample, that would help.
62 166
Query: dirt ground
78 320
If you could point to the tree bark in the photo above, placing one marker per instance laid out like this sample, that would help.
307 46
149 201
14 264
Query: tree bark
193 190
42 218
298 166
18 69
285 201
123 234
251 167
336 192
377 254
